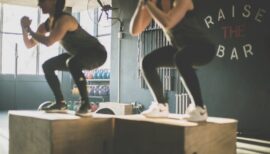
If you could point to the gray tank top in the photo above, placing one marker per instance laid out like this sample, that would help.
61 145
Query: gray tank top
79 41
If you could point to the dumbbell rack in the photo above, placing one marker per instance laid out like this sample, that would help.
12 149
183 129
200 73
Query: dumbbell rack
97 96
100 82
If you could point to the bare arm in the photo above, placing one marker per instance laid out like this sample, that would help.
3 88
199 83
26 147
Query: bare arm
62 25
29 41
140 20
172 17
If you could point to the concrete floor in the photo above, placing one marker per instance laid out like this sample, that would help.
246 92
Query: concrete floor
244 145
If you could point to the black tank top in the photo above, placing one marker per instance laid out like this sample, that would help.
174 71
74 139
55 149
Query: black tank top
79 40
189 30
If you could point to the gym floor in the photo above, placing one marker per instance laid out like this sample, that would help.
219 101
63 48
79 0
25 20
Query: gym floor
244 145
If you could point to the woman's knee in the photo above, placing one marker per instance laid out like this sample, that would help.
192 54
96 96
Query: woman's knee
47 67
147 63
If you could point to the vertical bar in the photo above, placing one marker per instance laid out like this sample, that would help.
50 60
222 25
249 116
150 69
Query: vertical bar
158 37
16 59
1 34
170 79
145 46
38 47
138 55
162 71
96 21
119 71
142 54
186 101
181 103
167 79
15 75
164 78
176 104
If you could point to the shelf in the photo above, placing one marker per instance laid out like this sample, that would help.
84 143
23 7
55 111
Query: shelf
98 80
98 99
98 96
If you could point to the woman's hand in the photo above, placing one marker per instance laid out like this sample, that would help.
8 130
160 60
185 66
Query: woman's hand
141 18
25 23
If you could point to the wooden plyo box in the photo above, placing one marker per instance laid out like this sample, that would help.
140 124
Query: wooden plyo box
37 132
136 134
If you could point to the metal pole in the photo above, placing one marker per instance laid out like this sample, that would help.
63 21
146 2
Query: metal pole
16 59
120 36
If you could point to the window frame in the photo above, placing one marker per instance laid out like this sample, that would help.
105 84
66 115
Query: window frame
37 48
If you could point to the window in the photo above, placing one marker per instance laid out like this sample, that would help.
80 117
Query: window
12 40
106 41
87 22
26 60
104 24
16 58
13 15
8 54
104 35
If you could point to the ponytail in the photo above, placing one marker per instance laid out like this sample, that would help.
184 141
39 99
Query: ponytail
59 7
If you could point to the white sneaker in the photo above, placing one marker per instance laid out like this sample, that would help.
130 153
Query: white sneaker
157 110
196 114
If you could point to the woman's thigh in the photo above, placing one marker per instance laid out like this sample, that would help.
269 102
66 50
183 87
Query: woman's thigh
58 62
161 57
90 60
198 53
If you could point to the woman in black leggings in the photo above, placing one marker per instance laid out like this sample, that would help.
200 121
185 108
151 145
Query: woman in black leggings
83 51
189 47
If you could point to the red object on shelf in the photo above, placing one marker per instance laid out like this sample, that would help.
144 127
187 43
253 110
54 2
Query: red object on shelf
93 107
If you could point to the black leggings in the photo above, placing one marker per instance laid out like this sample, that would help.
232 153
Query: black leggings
195 54
75 64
